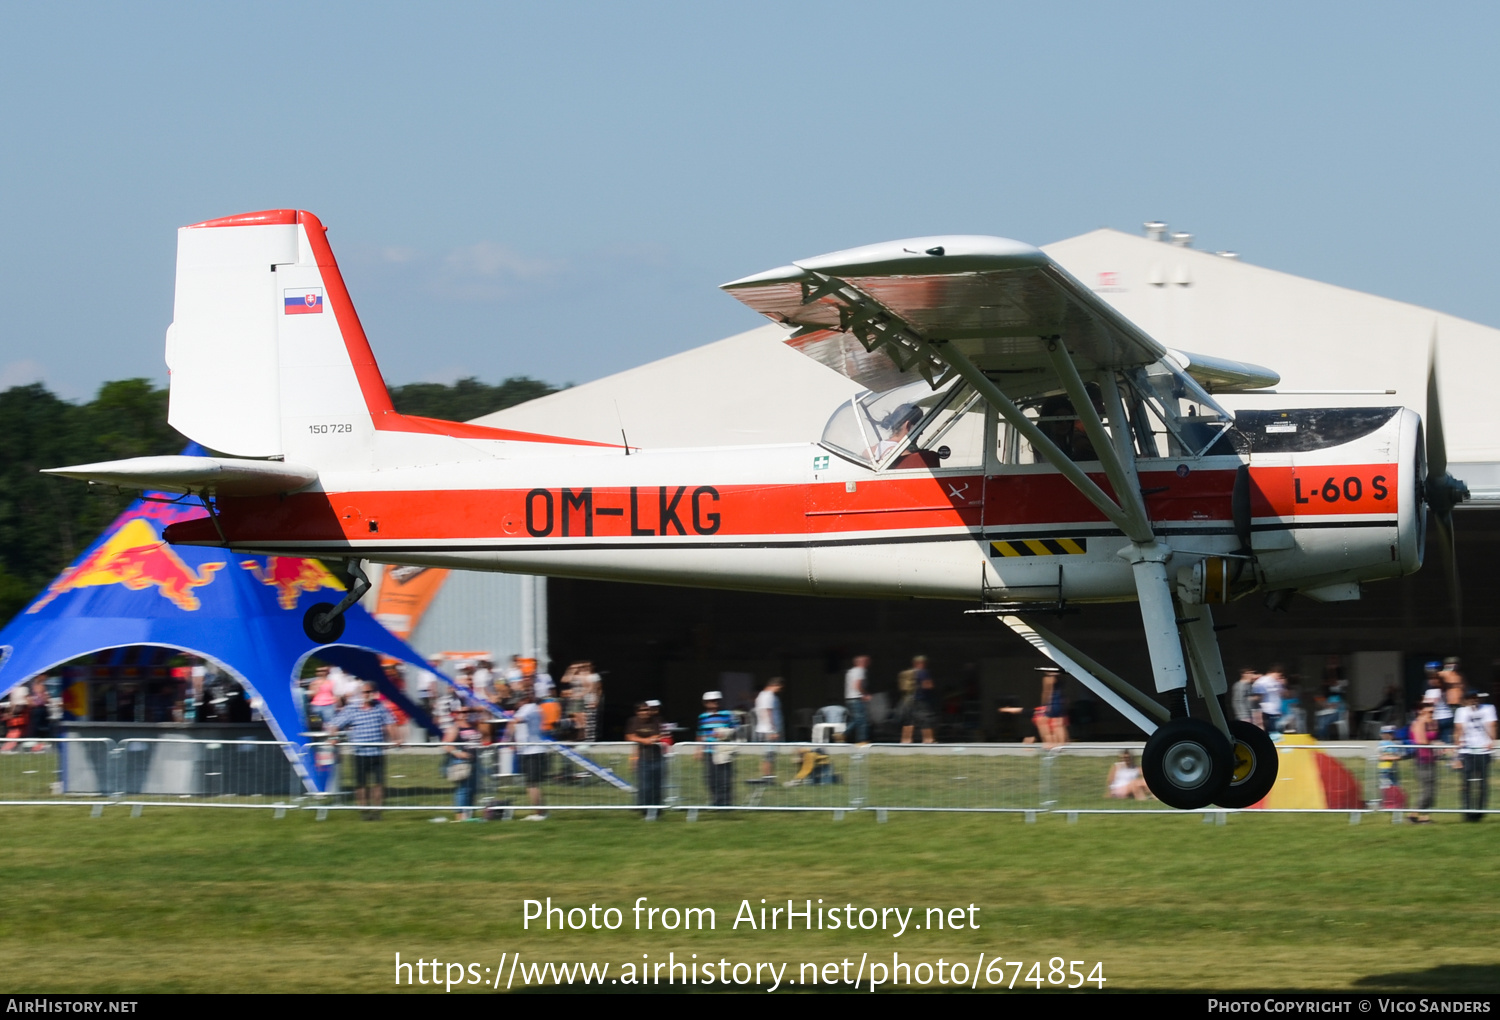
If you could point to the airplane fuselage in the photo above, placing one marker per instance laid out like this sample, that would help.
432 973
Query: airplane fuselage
794 518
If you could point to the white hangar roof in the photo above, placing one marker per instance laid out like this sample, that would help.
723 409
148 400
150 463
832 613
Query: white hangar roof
1318 336
749 389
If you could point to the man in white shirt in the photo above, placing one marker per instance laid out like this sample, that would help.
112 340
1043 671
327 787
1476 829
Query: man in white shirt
1474 731
856 699
1268 691
484 679
768 721
1241 696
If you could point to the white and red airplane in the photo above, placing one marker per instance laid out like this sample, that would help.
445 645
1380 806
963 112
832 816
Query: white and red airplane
1019 444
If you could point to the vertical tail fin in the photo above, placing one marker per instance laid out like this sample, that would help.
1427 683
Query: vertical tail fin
267 355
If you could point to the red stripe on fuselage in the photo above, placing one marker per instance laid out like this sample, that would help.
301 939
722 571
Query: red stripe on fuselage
913 503
463 430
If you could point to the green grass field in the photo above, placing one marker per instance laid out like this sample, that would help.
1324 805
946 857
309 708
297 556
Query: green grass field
228 900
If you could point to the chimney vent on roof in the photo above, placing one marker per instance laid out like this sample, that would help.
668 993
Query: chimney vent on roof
1181 240
1231 255
1156 230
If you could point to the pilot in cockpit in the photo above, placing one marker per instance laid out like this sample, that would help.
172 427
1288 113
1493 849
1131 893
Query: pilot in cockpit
895 428
1061 424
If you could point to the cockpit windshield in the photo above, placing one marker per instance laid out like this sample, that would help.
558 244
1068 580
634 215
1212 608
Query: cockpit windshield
870 427
1173 416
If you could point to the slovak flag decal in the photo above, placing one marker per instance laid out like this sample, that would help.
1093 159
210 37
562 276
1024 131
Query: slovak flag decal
304 301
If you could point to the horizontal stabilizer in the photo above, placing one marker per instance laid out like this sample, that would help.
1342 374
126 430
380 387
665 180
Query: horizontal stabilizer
219 476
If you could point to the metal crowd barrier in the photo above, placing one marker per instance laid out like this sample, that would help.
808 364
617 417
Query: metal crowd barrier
199 773
416 777
958 777
1430 779
767 777
1356 778
57 770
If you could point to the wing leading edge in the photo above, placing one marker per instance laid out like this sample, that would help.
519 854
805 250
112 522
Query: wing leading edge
866 313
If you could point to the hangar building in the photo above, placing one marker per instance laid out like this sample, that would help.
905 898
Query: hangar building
673 643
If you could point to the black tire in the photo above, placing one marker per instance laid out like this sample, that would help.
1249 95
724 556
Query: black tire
1255 766
1187 763
319 630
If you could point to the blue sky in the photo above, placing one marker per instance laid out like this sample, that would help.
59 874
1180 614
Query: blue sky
556 190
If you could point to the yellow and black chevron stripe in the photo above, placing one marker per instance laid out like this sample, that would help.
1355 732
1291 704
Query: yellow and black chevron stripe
1040 547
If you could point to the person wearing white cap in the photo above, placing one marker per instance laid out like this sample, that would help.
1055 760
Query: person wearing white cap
1474 729
716 728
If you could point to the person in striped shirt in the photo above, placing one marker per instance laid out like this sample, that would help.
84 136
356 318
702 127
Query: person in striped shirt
368 724
716 727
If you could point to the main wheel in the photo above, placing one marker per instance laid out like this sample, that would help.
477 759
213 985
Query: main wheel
1187 763
319 628
1255 766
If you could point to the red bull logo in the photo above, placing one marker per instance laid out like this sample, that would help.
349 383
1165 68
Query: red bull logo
291 577
136 557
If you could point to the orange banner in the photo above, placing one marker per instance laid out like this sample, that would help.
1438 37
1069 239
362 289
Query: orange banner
405 594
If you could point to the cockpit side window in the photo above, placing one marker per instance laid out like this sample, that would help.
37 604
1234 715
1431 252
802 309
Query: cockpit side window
878 429
1166 414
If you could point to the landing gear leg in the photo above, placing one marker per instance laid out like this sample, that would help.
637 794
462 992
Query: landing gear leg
1197 624
1253 770
324 622
1186 762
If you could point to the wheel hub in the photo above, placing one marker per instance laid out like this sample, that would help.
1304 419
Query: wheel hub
1187 765
1244 762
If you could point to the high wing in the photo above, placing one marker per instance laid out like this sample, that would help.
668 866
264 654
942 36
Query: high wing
1043 350
866 312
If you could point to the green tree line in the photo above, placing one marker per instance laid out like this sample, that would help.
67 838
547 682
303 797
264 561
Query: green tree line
45 522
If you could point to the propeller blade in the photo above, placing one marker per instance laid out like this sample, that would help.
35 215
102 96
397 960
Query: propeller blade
1437 450
1442 491
1447 539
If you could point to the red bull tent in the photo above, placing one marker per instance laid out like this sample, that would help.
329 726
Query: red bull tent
240 612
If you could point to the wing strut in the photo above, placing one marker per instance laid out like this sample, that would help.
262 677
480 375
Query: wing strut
1127 491
986 387
1148 557
1116 692
879 328
915 301
1121 435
